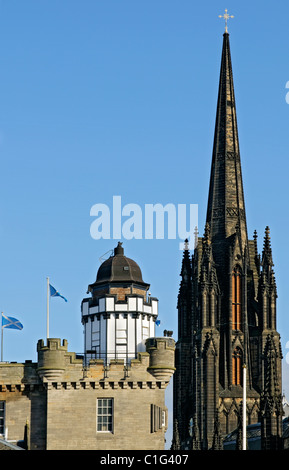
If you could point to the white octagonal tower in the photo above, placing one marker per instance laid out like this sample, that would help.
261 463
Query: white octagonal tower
120 314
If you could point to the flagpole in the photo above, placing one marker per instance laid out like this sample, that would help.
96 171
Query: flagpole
47 309
2 337
244 407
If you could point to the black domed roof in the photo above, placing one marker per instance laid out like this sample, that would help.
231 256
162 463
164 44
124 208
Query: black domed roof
119 268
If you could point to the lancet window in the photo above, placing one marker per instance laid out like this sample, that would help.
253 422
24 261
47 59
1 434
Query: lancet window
237 360
236 298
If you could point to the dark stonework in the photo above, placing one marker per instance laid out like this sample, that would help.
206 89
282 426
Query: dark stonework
227 308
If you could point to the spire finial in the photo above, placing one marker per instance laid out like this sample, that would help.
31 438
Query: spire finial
119 249
186 244
226 17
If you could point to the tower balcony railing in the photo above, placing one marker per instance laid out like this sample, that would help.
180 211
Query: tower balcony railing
108 356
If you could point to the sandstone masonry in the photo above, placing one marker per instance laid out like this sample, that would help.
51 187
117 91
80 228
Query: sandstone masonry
54 404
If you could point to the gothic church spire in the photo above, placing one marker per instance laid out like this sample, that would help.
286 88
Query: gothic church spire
226 206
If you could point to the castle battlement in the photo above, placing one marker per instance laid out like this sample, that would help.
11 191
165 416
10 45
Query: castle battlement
56 365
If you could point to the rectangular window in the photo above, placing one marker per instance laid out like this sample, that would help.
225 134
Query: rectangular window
157 418
105 415
163 419
2 418
121 331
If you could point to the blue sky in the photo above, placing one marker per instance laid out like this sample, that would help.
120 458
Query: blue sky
118 97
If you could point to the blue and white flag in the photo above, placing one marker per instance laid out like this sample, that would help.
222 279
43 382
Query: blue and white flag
158 322
55 293
10 322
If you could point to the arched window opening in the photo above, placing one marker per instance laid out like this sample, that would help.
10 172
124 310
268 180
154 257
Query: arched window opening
236 299
237 360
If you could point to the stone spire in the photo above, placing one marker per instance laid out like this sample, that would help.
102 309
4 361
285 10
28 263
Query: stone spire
226 206
267 258
271 398
185 294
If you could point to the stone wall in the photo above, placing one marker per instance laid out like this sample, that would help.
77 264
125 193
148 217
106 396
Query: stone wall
52 404
72 416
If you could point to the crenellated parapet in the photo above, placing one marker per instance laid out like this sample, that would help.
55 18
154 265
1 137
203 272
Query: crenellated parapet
57 365
59 369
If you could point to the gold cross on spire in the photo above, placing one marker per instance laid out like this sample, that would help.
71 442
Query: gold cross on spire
226 17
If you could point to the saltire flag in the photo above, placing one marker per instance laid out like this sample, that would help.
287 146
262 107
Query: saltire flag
55 293
158 322
10 322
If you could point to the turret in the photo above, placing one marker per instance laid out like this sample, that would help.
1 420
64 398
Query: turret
51 358
162 357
